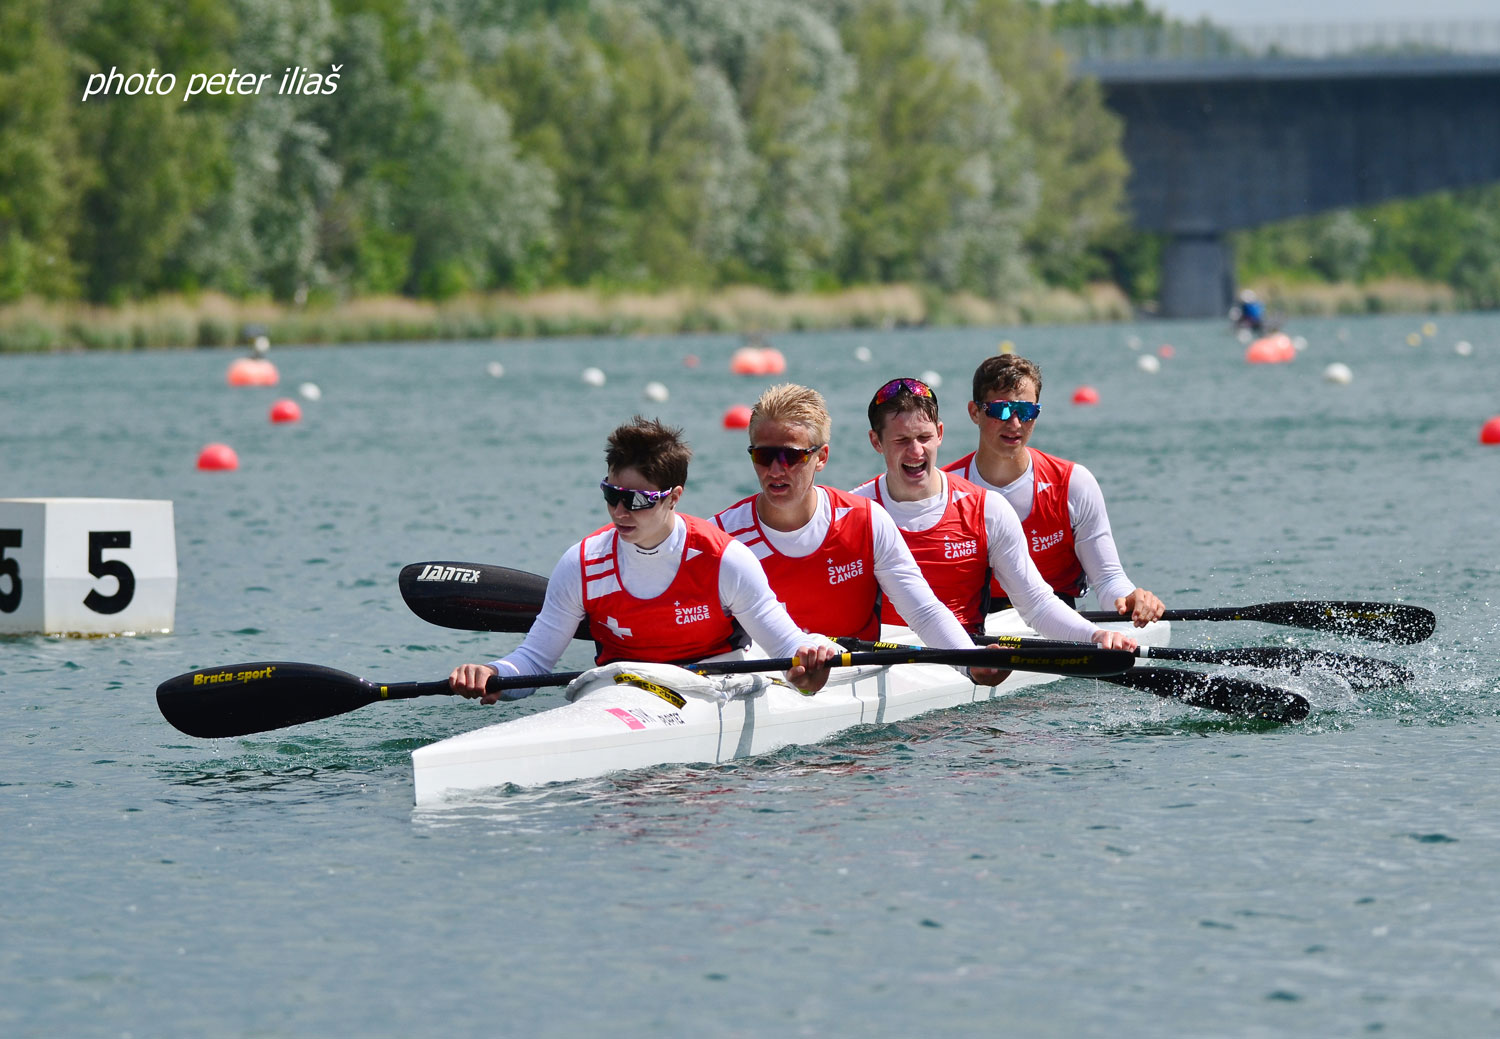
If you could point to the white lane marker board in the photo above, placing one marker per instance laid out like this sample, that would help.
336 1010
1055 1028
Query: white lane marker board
87 566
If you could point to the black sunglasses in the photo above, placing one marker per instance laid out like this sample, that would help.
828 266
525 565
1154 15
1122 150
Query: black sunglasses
789 456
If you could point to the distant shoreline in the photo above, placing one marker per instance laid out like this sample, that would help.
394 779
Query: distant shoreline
213 320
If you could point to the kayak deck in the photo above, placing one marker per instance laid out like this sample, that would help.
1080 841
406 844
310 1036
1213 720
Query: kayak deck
619 727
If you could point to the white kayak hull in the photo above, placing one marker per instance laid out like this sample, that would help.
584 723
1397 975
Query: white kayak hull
623 727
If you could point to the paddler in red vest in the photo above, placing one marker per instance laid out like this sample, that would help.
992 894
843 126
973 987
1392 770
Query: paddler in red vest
1059 502
958 532
654 584
829 555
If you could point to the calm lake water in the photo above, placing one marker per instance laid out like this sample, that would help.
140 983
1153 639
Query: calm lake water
1080 860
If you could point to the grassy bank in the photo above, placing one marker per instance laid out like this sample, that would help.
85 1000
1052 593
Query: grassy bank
214 320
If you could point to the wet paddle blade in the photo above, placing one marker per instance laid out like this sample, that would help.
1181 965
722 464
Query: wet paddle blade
1217 693
243 698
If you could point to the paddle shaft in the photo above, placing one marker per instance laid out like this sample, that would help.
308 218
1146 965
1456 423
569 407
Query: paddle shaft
481 597
1379 621
243 698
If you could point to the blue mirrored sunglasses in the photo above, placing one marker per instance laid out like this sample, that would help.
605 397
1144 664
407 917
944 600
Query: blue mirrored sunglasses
1024 410
635 501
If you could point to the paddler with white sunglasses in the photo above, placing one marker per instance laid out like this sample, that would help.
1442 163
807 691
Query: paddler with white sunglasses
831 556
958 532
654 584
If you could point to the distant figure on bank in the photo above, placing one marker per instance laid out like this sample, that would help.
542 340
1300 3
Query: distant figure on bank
1249 313
1059 503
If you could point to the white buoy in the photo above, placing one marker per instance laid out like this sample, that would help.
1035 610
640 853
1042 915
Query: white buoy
1338 372
1463 348
496 369
310 391
1244 335
593 377
262 344
656 391
1299 343
1134 342
862 354
931 378
1148 363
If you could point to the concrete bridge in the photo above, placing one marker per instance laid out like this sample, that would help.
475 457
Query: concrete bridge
1232 128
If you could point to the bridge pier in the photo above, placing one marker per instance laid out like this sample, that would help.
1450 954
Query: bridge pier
1197 275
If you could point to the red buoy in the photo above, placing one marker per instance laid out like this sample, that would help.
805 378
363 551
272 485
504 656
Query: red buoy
690 361
737 417
1085 395
772 361
218 456
1489 433
285 410
1165 352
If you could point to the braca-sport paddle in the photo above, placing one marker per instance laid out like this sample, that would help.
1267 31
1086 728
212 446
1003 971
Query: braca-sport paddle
239 699
478 597
1377 621
1196 688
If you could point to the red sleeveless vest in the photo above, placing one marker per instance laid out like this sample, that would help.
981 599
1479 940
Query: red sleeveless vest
1049 531
833 591
953 554
685 622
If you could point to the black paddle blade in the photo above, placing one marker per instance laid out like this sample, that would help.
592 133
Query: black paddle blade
473 596
245 698
1379 621
1359 672
1217 693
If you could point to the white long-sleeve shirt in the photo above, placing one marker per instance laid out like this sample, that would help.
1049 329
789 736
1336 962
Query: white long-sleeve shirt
1093 542
896 571
647 573
1009 558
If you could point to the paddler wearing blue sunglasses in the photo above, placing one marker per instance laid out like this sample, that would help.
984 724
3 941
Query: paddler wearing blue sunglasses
1059 502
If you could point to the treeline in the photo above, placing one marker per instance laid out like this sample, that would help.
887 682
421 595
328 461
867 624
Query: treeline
641 145
475 145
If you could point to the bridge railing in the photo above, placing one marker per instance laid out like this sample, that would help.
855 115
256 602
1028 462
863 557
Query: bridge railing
1206 41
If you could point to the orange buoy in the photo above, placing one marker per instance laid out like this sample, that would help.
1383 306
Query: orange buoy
1165 352
747 360
285 410
1276 348
690 361
1489 433
737 417
1085 395
252 371
772 362
243 371
218 456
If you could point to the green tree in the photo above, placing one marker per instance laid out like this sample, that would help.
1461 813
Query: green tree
935 194
157 160
260 233
644 161
1072 139
42 175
